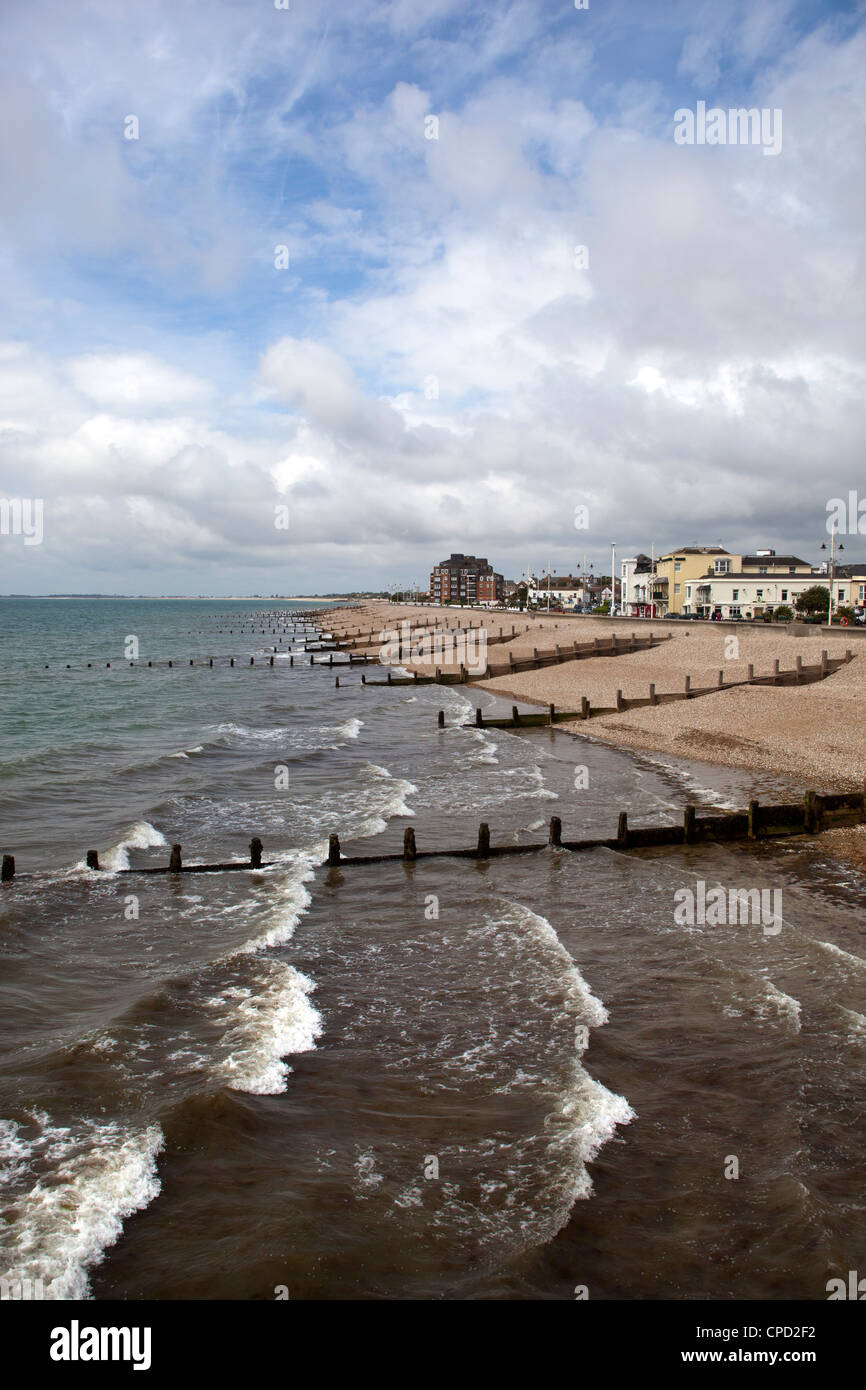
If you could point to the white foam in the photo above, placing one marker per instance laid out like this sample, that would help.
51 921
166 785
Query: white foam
271 1018
857 962
96 1177
143 835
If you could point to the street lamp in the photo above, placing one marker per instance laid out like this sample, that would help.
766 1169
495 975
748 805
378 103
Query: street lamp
613 579
832 571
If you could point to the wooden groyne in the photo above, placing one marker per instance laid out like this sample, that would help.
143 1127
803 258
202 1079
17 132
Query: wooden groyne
815 813
799 674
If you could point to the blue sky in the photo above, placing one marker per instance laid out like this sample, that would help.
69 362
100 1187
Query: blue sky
431 371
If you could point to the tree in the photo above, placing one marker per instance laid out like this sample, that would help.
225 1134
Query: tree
783 614
814 600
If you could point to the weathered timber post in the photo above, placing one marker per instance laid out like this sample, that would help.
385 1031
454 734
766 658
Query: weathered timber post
596 642
825 665
291 661
252 661
231 661
798 671
272 661
462 674
92 859
478 717
255 853
210 662
849 655
363 678
333 850
751 672
633 643
688 690
754 809
622 830
409 851
441 719
175 862
336 682
812 812
776 671
613 642
311 660
721 679
555 833
584 707
515 717
534 653
483 850
620 702
689 831
7 872
653 697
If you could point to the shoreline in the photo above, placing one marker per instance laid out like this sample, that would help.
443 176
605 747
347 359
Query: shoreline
813 732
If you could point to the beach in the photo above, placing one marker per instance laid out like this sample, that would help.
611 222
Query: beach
446 1079
812 731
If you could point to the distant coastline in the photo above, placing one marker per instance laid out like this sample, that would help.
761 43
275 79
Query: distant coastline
202 598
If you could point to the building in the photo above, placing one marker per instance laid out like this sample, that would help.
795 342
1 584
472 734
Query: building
564 591
748 586
466 579
638 588
688 564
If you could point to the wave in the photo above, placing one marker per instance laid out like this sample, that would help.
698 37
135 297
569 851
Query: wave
273 1017
90 1179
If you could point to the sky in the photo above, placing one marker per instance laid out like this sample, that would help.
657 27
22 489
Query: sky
303 299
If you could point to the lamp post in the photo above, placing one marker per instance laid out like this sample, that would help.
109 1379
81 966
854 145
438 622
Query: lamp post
832 572
613 579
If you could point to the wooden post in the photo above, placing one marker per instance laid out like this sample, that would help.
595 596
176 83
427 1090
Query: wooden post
255 853
478 718
849 655
363 678
483 850
689 832
798 671
751 672
555 833
721 679
622 830
441 719
231 661
336 682
653 697
174 862
7 872
409 850
92 859
272 661
688 687
551 713
754 808
333 849
584 707
252 661
633 644
291 661
825 665
620 702
776 671
515 717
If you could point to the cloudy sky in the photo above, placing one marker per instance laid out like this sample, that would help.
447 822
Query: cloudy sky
339 271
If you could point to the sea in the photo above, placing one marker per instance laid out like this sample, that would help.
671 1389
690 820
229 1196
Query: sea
522 1078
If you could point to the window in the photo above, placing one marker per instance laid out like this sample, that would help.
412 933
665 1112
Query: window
759 593
688 591
735 594
723 567
762 569
676 588
792 569
735 610
862 592
678 564
784 595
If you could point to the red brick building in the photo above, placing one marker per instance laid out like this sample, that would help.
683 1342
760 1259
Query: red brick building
468 578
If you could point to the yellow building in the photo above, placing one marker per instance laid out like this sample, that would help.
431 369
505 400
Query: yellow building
689 563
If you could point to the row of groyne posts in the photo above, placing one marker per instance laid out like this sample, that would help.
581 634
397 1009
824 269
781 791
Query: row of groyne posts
815 813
